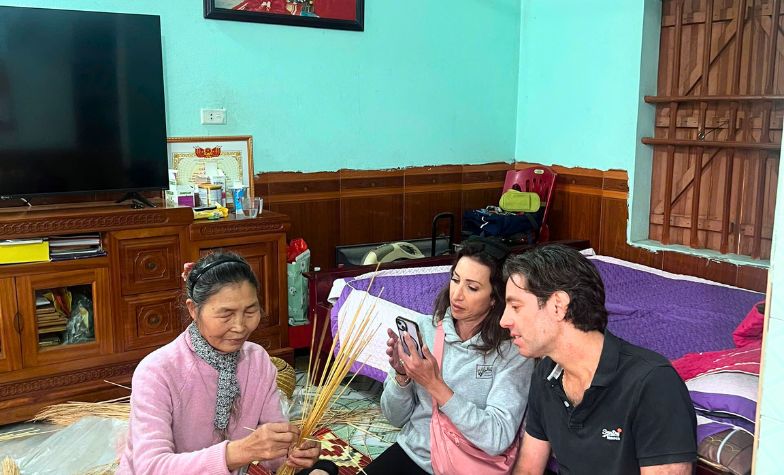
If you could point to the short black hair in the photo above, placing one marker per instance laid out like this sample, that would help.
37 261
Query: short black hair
213 272
553 267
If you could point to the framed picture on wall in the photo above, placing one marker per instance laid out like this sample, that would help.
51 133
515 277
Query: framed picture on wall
194 157
334 14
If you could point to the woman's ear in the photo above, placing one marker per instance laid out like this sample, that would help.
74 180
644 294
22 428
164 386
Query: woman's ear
191 306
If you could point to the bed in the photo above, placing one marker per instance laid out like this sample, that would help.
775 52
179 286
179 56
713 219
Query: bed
686 319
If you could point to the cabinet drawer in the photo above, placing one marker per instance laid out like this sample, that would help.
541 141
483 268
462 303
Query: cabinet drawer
151 319
149 264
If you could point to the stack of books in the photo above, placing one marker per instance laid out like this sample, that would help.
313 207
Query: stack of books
50 322
75 246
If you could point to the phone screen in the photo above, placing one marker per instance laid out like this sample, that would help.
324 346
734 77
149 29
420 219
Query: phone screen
406 325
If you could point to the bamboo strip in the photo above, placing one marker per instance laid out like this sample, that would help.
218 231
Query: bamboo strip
320 398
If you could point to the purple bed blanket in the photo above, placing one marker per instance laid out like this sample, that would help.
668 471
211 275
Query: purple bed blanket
670 316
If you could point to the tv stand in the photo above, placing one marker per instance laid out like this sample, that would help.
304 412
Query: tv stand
138 200
135 292
20 198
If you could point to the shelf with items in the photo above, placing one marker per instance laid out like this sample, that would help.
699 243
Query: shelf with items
64 316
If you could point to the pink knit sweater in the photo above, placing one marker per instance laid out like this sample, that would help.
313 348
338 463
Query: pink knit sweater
173 405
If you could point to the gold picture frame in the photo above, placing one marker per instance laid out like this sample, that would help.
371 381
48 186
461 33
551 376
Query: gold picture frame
232 154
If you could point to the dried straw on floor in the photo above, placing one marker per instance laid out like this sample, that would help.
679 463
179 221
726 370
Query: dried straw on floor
22 433
10 467
107 469
320 395
70 412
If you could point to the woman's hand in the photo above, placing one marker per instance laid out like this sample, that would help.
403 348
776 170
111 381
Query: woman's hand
268 442
305 455
394 353
186 269
424 371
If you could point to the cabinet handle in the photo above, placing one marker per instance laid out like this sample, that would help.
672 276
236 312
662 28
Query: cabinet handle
18 323
154 320
151 265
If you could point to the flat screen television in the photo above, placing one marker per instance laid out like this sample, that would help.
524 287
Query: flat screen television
81 102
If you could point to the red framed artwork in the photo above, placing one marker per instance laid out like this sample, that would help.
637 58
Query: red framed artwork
334 14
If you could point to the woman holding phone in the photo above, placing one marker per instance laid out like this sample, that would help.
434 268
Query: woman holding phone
480 387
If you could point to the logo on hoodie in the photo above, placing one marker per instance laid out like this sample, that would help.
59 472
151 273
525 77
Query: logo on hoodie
484 371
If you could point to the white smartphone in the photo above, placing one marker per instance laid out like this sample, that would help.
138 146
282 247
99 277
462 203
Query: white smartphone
410 326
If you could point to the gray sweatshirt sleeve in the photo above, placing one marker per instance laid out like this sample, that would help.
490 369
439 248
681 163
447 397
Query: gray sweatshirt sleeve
397 404
493 428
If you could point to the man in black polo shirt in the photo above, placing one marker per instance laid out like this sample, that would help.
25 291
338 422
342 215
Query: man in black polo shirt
601 404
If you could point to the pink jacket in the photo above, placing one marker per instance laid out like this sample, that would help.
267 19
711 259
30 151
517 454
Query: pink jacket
173 405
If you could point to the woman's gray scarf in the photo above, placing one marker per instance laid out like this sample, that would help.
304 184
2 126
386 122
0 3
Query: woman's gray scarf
226 364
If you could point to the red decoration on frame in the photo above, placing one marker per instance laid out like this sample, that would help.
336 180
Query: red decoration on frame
208 152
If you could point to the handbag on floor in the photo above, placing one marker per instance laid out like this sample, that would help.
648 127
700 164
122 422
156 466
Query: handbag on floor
450 452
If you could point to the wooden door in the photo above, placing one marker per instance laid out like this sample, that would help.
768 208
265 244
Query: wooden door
50 336
10 327
719 110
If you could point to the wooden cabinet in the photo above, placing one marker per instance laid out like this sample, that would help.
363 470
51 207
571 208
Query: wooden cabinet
88 291
10 321
149 285
134 295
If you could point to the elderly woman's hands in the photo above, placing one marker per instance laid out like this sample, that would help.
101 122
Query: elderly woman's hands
268 442
424 371
305 455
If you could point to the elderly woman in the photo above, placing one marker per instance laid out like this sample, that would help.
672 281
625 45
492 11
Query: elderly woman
480 387
207 402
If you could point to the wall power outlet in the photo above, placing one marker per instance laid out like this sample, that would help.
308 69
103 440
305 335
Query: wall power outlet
213 116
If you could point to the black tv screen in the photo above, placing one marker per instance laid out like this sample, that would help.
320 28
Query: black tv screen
81 102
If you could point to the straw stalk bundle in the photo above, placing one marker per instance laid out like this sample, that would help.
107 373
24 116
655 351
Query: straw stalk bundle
70 412
320 395
10 467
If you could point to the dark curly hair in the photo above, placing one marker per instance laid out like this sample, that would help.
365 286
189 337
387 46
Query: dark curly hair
554 267
490 253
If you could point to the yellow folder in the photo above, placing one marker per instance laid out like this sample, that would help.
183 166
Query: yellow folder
19 251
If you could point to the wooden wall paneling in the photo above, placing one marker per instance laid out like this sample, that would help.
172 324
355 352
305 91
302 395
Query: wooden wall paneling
318 223
752 278
576 216
312 202
371 206
429 191
576 211
613 243
482 185
680 263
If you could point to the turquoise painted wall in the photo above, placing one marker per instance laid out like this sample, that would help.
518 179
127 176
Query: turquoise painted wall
771 429
426 83
579 83
584 68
